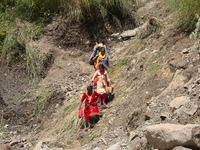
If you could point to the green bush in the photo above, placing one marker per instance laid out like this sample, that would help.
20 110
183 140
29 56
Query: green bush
33 10
2 37
185 11
196 34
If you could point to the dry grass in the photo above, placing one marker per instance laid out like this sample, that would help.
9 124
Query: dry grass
185 11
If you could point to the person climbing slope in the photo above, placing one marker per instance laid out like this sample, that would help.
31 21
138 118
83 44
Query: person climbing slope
103 81
91 108
102 58
96 51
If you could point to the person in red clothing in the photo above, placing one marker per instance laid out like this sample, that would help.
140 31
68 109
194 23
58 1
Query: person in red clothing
91 108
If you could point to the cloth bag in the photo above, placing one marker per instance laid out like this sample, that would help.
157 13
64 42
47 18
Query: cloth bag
80 114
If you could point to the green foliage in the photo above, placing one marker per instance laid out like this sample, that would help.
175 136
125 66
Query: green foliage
2 37
196 34
42 100
185 11
35 64
33 10
12 48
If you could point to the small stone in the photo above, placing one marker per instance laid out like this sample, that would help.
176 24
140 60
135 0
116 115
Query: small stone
132 136
164 115
104 141
6 126
185 51
20 145
88 42
115 35
57 105
15 132
124 145
97 148
114 147
146 117
133 61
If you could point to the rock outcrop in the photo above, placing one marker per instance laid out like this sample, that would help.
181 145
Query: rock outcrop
168 136
179 101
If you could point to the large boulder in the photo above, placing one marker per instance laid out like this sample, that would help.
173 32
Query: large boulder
188 109
129 33
168 136
179 101
196 135
181 148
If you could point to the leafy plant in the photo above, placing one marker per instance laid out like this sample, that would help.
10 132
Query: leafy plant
185 11
196 34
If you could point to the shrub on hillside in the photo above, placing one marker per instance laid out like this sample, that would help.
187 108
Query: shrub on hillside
196 34
87 10
36 9
92 10
185 11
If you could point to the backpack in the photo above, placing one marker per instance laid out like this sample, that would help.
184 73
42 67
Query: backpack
91 60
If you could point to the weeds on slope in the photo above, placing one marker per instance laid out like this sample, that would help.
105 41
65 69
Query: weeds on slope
185 11
42 11
196 34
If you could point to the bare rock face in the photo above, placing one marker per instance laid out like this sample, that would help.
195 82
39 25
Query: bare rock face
178 81
187 109
196 135
179 101
168 136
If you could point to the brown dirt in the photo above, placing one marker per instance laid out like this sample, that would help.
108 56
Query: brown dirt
135 84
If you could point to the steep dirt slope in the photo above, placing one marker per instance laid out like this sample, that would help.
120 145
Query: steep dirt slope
142 69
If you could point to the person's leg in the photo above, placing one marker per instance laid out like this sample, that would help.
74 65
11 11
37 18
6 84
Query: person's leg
104 98
100 99
88 122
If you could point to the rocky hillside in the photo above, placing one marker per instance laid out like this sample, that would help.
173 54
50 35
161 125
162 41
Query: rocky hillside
155 105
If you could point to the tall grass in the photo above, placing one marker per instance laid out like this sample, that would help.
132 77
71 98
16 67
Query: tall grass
185 11
97 9
42 10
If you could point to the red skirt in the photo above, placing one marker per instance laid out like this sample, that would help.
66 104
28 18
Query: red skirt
91 111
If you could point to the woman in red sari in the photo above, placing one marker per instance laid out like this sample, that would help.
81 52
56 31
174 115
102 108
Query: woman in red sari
91 108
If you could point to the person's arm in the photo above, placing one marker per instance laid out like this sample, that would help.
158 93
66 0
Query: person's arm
93 53
107 77
108 60
91 56
97 94
95 75
82 99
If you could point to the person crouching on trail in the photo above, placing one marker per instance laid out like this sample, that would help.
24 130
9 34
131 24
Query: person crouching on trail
91 108
103 81
102 58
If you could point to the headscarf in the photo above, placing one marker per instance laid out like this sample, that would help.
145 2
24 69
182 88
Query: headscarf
96 63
